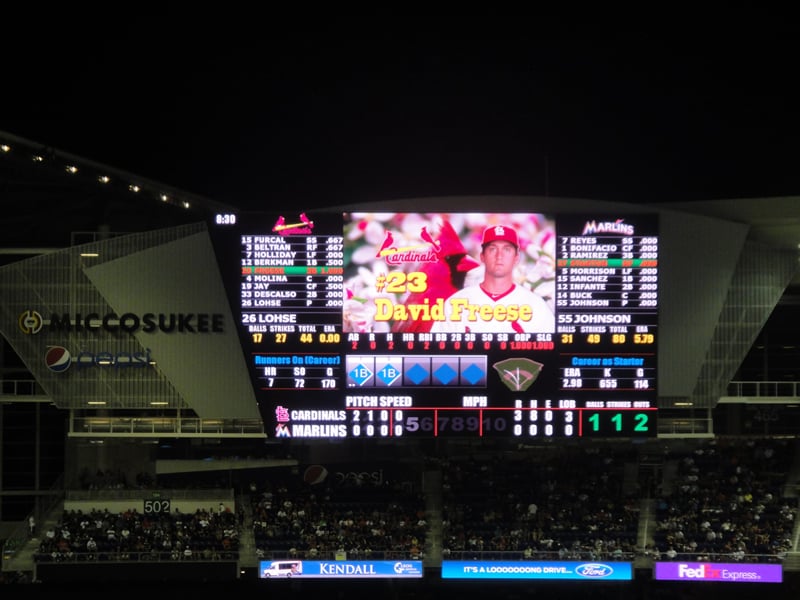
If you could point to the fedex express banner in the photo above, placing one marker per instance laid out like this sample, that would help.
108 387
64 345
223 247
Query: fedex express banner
732 572
584 571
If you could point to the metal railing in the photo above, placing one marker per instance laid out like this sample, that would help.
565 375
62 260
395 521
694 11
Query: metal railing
20 536
638 556
127 556
764 389
490 555
130 556
685 427
158 426
99 495
21 387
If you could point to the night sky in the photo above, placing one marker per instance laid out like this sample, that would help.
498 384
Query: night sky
256 113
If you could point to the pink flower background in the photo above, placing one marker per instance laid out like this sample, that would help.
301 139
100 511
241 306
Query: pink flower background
365 232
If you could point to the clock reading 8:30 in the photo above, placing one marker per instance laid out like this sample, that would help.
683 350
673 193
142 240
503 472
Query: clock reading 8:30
225 219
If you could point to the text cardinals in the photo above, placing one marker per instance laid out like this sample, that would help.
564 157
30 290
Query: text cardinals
462 311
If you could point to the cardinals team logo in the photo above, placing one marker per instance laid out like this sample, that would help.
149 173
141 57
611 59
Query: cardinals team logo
518 374
282 418
423 253
305 226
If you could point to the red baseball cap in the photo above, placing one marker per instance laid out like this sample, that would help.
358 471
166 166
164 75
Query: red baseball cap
500 232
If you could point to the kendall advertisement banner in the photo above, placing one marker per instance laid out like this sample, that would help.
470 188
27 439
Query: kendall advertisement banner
340 569
730 572
583 571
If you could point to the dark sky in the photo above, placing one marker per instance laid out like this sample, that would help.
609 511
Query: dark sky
256 115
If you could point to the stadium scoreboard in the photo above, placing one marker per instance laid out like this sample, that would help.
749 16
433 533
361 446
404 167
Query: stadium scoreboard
336 314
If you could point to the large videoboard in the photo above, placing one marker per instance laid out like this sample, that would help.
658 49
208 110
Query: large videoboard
420 325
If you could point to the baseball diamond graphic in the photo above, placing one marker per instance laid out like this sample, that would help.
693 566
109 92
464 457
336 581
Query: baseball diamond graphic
518 374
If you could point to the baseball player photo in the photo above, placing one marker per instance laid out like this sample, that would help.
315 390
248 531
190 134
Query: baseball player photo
497 303
450 272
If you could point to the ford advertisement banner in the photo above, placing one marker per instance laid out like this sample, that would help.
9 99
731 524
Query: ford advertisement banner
580 570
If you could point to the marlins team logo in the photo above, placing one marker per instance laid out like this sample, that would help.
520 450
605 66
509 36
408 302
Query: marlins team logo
30 322
57 358
518 374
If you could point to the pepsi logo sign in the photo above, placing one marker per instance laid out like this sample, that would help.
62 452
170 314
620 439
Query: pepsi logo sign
57 358
315 474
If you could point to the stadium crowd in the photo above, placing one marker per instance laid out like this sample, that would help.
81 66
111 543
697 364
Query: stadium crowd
359 519
710 500
565 505
131 535
729 499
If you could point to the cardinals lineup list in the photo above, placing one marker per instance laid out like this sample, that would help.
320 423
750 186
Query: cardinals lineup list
337 318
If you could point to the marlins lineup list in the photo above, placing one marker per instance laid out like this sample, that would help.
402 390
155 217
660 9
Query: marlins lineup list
607 297
595 374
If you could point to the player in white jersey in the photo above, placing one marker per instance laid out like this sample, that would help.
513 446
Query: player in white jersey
497 304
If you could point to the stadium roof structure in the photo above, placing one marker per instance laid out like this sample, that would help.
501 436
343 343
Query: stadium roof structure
51 194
